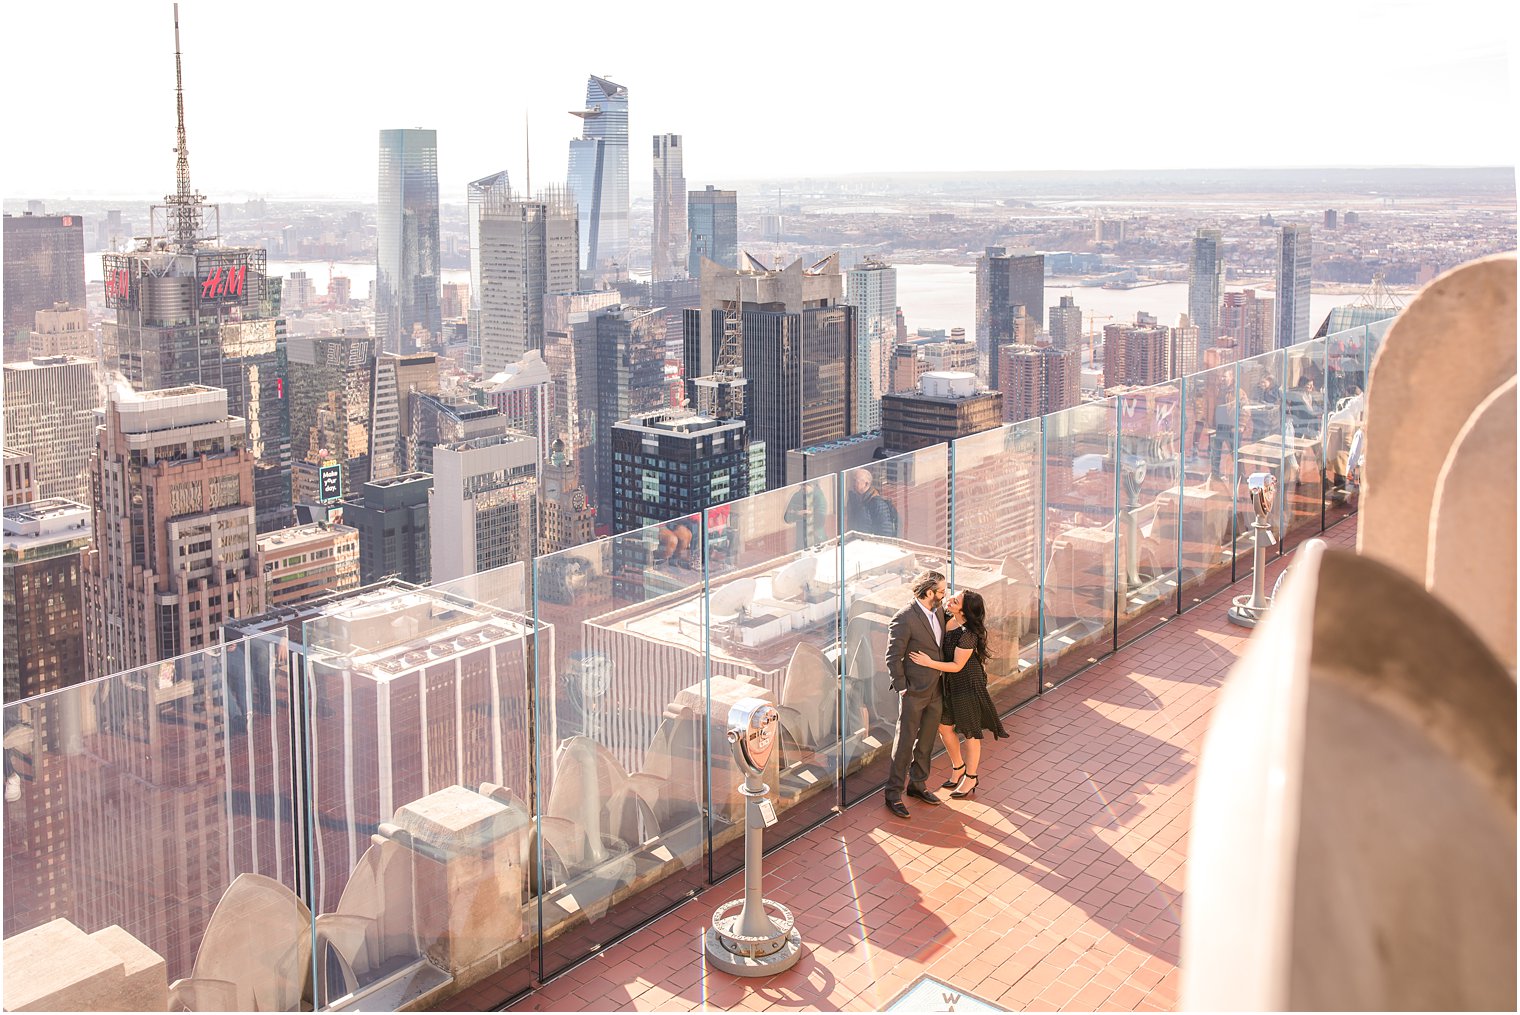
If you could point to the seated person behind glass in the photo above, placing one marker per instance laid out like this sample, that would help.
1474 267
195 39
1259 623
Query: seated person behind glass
675 538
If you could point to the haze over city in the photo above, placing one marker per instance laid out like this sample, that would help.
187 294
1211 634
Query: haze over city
284 100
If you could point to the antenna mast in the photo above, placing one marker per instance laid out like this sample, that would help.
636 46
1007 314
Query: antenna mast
184 206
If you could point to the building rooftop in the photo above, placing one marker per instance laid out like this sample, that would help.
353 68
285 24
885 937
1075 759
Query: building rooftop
674 421
844 442
1057 887
297 535
30 527
401 480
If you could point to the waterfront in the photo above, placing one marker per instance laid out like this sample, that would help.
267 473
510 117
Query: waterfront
932 296
943 296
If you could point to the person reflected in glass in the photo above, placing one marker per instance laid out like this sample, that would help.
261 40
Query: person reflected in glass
967 711
866 509
807 510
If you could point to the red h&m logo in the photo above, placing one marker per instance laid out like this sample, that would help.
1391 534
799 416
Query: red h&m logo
116 283
228 283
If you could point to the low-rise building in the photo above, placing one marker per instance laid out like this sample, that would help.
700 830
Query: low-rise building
304 561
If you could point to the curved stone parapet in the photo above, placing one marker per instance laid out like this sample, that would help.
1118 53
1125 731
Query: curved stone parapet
1353 842
1443 355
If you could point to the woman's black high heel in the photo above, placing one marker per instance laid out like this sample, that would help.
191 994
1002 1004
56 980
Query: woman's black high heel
961 791
951 783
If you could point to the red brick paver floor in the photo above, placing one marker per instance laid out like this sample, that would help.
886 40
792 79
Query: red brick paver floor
1058 887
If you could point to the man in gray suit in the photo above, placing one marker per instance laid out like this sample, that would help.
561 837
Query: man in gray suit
917 627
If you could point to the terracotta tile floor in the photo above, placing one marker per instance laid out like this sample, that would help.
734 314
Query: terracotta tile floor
1059 887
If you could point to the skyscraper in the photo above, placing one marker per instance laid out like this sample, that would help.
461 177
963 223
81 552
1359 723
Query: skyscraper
673 462
629 378
174 556
1295 262
1037 380
189 311
1004 283
407 257
44 265
483 508
1247 318
330 391
871 288
948 405
50 409
670 245
43 615
599 175
1205 289
1139 353
395 539
797 351
488 189
63 330
712 220
528 249
397 378
1066 324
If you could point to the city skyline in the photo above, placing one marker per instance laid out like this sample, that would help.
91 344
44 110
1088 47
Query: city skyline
1438 59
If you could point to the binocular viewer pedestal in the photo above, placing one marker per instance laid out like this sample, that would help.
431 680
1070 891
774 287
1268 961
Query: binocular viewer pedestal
753 936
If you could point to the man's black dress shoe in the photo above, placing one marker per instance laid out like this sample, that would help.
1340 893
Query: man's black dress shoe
926 795
899 808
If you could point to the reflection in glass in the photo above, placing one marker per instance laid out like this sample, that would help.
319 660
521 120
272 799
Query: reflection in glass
997 481
1081 517
622 706
1150 473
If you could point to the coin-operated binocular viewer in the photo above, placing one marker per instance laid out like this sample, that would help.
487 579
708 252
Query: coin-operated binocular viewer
761 938
1249 610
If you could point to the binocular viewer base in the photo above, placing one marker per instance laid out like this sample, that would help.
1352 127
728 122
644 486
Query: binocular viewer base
762 954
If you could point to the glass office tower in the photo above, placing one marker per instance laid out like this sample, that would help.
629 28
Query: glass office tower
479 193
712 217
668 251
1205 291
599 174
406 265
1295 262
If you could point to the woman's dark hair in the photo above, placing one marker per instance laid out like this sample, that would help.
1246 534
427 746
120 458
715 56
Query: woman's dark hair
975 612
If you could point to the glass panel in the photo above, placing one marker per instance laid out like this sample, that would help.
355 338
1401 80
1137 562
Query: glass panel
997 479
622 706
1150 456
496 734
773 563
419 791
1207 527
1345 399
1376 332
896 521
1260 401
159 800
1080 519
1303 429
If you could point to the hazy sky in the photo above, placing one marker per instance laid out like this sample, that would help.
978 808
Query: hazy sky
285 98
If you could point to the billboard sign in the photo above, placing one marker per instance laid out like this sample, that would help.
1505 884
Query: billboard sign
329 483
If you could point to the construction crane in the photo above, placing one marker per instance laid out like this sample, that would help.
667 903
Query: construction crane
720 394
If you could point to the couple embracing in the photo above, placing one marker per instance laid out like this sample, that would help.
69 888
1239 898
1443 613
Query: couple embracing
936 655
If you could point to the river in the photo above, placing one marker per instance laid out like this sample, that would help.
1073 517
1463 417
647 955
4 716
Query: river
932 296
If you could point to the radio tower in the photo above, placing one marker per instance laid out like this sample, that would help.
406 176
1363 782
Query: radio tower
184 206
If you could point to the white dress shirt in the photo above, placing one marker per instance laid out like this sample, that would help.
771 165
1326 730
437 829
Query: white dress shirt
939 636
